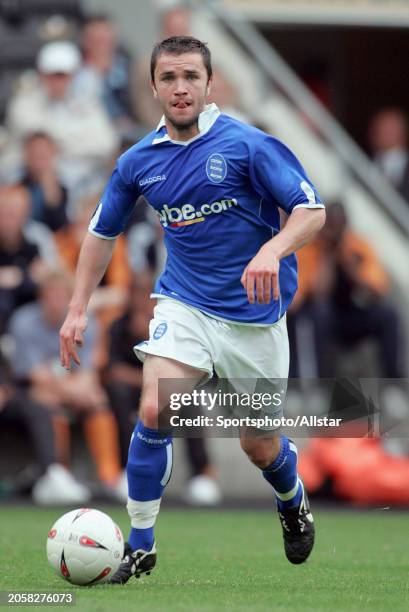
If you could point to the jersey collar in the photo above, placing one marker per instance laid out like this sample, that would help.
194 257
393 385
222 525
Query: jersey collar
206 120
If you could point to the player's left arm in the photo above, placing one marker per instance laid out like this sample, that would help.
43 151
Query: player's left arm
261 276
278 177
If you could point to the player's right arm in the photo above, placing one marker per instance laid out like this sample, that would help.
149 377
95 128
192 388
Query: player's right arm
108 221
93 261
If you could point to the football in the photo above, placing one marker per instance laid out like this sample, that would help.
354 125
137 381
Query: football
85 546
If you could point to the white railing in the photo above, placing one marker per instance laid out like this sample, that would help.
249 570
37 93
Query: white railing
380 13
283 77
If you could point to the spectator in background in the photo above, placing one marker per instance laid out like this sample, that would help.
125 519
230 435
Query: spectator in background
342 300
17 197
77 393
174 21
48 196
388 140
20 261
105 70
78 124
53 483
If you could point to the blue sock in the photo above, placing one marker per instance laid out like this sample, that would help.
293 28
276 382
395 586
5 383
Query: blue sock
149 469
283 477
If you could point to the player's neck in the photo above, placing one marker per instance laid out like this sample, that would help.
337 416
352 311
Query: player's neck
182 134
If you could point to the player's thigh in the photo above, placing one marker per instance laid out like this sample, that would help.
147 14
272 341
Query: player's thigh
180 333
255 362
161 378
269 352
254 352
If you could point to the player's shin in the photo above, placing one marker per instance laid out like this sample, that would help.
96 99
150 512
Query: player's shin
149 470
283 477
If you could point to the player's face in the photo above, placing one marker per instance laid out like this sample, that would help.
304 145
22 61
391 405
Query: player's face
181 85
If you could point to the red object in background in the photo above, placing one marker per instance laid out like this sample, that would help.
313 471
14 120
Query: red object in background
360 469
312 473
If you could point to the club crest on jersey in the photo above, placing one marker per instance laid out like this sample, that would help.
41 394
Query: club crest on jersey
216 168
160 330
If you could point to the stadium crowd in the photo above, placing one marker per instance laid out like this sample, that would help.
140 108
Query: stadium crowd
83 101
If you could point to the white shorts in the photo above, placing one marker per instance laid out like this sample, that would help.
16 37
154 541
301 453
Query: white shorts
232 350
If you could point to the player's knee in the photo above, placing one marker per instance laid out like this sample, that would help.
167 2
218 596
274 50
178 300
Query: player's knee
261 452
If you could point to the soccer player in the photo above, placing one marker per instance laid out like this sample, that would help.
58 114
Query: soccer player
216 185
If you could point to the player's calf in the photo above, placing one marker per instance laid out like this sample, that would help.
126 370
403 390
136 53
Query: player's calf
149 469
292 501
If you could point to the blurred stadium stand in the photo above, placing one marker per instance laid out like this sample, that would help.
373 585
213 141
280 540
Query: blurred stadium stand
277 98
323 12
24 26
274 97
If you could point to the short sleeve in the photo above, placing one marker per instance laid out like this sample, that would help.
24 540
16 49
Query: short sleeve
116 205
277 175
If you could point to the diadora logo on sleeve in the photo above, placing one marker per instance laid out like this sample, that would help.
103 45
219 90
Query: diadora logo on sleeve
187 214
152 179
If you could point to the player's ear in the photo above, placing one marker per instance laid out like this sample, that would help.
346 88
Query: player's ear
209 86
155 93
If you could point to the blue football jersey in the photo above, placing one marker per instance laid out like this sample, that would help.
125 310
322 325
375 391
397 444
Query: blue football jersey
217 197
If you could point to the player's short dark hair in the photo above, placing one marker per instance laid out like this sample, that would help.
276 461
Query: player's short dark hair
177 45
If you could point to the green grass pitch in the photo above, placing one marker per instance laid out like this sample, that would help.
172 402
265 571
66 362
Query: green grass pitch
230 561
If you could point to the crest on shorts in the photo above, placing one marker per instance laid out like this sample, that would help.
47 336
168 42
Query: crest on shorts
160 330
216 168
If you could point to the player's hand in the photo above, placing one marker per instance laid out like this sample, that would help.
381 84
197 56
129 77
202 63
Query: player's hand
71 338
260 277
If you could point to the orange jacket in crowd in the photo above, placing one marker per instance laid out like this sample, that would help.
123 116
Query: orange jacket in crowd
118 272
353 253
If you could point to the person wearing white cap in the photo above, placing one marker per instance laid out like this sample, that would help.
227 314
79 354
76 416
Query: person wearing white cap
77 122
60 57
